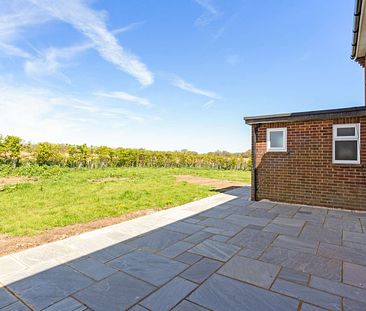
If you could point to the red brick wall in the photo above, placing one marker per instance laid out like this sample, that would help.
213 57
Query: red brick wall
305 173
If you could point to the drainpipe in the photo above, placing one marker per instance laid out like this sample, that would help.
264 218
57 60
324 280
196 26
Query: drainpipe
254 168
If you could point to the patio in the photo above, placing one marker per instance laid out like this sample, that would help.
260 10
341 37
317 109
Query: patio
220 253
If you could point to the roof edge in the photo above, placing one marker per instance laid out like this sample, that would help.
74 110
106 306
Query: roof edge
356 27
307 115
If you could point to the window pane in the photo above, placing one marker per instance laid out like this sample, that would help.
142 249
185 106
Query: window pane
276 139
346 131
346 150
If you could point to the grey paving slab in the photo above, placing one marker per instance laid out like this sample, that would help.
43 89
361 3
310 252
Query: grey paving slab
343 224
6 297
182 227
176 249
262 213
169 295
255 227
342 213
240 209
338 288
305 246
247 220
222 226
192 220
188 258
151 268
215 250
285 221
294 276
354 237
251 253
314 210
220 238
9 265
307 307
354 245
201 270
283 229
68 304
186 305
17 306
354 274
117 292
156 240
352 305
138 308
217 213
253 239
307 294
321 266
316 232
352 255
363 223
221 231
93 268
112 252
313 218
220 293
285 210
198 237
250 270
34 256
263 205
43 289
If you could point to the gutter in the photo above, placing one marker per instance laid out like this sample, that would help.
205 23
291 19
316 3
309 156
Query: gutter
356 27
254 164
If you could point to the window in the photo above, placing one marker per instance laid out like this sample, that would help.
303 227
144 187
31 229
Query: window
277 139
346 143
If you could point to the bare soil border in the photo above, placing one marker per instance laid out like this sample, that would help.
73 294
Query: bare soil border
10 244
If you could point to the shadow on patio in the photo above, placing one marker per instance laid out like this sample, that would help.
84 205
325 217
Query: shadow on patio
219 253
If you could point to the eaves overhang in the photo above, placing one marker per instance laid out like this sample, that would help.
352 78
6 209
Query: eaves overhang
359 33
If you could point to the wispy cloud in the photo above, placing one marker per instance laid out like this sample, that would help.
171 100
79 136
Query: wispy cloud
125 97
92 24
17 16
207 105
210 13
183 85
52 60
12 50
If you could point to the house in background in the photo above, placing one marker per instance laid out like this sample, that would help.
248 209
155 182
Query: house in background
315 157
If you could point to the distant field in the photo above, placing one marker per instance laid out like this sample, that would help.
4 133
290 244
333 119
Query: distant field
56 197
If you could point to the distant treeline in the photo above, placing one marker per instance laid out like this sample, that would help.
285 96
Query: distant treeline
16 152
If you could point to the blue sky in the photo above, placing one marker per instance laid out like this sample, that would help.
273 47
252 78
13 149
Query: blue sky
169 74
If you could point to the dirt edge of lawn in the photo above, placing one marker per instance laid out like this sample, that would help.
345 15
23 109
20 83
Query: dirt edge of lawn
13 244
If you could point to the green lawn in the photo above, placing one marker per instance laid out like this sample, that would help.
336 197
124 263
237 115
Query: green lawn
64 196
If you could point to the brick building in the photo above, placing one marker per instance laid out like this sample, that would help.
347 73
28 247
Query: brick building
316 157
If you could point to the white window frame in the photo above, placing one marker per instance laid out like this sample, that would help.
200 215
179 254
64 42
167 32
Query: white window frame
356 137
277 149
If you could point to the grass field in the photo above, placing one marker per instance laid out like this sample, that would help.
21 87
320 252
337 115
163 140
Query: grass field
64 196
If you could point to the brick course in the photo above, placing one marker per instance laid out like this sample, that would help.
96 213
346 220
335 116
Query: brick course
305 173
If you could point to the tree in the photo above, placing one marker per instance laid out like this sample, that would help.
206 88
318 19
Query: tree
48 154
10 149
